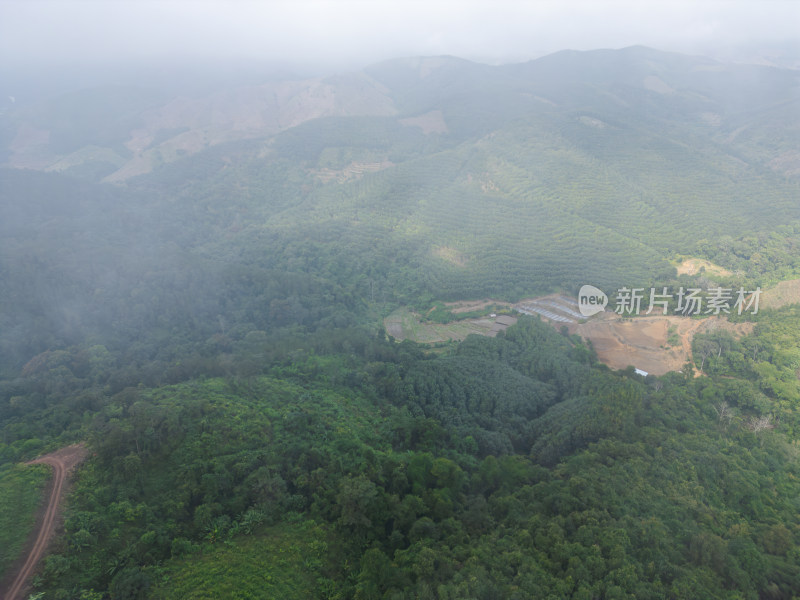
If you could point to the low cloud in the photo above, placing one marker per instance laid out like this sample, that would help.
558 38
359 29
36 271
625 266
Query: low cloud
356 33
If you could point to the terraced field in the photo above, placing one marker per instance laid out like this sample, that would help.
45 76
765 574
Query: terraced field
403 324
642 342
554 308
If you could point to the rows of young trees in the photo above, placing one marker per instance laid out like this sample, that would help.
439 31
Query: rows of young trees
211 332
510 467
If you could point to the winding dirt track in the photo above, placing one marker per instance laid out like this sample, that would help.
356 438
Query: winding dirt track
62 462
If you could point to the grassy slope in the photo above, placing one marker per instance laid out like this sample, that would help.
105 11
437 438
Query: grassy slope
20 496
221 433
545 200
283 561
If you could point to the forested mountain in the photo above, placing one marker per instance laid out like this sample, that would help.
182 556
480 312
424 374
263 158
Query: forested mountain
641 92
506 181
194 281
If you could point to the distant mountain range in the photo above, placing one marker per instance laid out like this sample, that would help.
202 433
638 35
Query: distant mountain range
113 133
437 175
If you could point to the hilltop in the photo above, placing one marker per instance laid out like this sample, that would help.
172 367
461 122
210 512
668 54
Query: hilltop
120 131
206 285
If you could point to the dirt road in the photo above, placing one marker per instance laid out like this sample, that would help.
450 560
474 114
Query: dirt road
62 462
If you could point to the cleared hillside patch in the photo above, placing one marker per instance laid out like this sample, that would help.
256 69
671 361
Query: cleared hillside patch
786 292
403 324
693 266
657 344
284 561
20 497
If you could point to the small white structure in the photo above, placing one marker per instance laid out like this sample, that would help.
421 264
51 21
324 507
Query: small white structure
640 372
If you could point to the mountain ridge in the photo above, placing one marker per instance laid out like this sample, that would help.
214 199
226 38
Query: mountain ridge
129 136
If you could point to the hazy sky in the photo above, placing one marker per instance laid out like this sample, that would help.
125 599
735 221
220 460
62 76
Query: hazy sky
357 33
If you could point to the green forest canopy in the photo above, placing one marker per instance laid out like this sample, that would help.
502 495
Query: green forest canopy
212 331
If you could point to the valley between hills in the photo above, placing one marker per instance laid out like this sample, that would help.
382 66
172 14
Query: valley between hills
250 298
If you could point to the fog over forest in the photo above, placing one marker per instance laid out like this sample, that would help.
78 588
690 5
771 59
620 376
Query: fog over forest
290 300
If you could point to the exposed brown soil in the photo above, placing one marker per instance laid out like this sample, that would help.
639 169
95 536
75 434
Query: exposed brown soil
62 462
192 124
642 341
451 255
786 292
692 266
